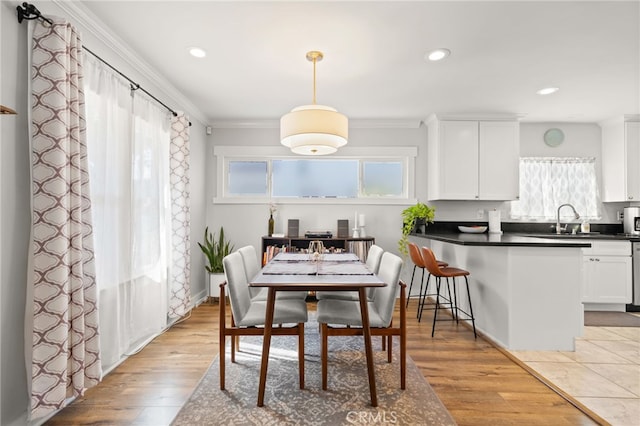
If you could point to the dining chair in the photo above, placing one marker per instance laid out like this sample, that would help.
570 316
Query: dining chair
249 314
252 267
374 256
343 317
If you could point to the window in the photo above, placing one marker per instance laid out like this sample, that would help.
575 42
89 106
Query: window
380 173
247 178
546 183
383 179
315 178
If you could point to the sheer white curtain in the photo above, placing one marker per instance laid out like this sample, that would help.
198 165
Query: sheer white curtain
128 142
548 182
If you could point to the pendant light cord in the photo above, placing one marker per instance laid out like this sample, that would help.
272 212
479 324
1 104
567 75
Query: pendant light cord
314 80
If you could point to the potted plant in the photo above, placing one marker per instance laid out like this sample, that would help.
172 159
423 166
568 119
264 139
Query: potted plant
215 250
414 217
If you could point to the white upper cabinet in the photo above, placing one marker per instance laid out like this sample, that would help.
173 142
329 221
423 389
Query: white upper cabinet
472 159
621 159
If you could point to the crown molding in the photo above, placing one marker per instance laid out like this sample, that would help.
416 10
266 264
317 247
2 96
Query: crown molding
476 117
353 124
101 31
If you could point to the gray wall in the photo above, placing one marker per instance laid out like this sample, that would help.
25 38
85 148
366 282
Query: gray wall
15 218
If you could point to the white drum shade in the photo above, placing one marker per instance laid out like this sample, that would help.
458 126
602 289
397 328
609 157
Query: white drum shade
314 130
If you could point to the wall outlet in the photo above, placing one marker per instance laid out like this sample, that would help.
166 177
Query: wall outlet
619 215
480 214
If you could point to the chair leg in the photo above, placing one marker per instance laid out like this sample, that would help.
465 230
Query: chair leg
234 341
403 338
424 298
411 283
389 345
383 343
221 342
473 319
454 308
323 353
301 353
420 294
435 311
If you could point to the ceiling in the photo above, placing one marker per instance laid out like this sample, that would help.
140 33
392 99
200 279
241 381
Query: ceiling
501 54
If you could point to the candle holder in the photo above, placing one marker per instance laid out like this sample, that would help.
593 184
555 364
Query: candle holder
316 251
356 233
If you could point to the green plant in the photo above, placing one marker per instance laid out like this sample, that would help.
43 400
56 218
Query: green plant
215 251
409 216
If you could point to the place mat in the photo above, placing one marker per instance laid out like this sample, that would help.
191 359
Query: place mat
343 268
290 268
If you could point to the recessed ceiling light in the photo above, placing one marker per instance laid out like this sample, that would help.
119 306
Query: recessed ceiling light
197 52
547 91
437 54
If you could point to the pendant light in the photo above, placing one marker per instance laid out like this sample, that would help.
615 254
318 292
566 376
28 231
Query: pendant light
314 129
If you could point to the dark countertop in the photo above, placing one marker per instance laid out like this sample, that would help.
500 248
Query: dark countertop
523 235
507 239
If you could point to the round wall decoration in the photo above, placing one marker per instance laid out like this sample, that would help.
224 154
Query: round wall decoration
553 137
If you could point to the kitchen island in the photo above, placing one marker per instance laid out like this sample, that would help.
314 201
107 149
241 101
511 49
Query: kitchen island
525 291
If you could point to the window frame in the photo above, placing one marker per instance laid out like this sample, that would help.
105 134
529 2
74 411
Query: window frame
225 154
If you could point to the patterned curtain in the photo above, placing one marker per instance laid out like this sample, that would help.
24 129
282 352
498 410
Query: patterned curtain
180 301
62 296
548 182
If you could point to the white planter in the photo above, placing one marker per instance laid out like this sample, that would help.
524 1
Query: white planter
214 284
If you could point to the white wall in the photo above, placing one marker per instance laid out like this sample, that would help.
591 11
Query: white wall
15 206
246 223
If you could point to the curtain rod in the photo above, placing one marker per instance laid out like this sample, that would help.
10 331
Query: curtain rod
29 12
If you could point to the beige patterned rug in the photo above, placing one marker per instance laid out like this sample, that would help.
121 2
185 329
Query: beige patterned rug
346 402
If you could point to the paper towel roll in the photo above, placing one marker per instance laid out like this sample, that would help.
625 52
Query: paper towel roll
494 222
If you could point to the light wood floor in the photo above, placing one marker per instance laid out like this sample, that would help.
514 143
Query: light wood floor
475 381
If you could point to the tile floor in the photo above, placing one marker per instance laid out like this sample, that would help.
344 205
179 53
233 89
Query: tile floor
603 373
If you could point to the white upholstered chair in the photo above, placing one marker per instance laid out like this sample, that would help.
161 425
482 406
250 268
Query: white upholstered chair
252 266
249 314
343 317
374 256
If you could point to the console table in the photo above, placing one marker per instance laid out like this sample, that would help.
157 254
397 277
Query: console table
274 245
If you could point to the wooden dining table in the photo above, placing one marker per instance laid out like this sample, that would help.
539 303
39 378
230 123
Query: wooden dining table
303 272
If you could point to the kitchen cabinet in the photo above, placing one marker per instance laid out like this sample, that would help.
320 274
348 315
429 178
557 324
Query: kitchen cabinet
607 273
472 159
621 159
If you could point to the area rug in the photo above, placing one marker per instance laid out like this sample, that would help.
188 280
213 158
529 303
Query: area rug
346 402
611 319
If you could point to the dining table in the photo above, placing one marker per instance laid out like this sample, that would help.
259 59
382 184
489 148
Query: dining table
313 272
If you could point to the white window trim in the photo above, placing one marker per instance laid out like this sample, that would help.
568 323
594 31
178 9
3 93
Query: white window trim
262 153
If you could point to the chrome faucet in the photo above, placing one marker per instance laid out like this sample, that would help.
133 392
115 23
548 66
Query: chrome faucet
559 229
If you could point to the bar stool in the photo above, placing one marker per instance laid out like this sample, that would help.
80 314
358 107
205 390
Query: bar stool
448 272
418 262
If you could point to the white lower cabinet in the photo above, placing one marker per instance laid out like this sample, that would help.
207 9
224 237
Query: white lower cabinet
607 273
